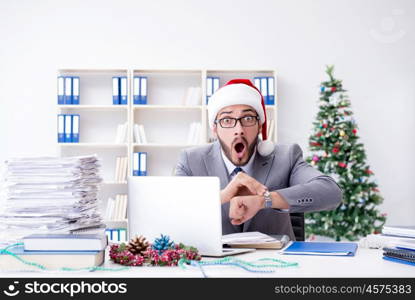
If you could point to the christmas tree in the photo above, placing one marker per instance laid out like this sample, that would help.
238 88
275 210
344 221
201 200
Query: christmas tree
336 151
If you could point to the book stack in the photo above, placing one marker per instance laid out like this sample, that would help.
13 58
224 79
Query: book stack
122 133
56 251
192 96
68 90
121 168
400 247
194 135
139 134
49 195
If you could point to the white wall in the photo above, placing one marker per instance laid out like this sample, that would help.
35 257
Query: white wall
371 43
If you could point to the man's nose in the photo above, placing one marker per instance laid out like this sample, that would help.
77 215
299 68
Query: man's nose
239 129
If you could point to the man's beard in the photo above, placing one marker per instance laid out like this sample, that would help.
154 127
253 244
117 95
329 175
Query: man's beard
227 151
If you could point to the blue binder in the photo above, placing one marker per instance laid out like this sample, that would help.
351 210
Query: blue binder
321 248
257 83
123 91
68 128
136 164
75 129
136 90
61 90
271 91
215 84
61 128
143 164
143 90
209 89
75 90
115 90
212 85
68 90
264 89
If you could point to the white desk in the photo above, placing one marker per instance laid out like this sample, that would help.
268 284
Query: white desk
366 263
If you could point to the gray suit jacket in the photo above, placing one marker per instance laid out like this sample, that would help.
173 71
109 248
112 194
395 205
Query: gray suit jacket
302 186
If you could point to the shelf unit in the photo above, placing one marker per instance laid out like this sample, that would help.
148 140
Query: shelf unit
165 117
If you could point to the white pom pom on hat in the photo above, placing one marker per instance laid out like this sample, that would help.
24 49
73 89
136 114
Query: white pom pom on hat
241 92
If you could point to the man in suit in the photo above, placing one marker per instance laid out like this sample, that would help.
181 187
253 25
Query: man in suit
261 183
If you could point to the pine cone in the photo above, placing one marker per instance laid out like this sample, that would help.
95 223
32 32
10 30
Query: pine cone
138 245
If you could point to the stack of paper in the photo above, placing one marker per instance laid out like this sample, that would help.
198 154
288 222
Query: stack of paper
49 195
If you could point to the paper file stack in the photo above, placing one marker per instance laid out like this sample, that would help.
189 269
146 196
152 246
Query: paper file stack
49 195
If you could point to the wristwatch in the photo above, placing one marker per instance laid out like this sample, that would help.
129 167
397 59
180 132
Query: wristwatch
268 200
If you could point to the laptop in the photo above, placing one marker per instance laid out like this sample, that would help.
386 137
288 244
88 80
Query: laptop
187 209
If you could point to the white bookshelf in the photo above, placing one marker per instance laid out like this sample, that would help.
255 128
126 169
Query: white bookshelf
165 117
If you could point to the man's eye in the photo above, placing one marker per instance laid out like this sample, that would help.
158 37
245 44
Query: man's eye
249 118
227 121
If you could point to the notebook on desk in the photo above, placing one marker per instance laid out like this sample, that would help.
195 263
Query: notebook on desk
398 254
321 248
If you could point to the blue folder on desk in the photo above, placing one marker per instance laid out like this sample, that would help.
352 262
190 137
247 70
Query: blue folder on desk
320 248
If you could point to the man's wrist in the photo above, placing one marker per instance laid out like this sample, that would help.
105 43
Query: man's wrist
267 200
223 196
278 201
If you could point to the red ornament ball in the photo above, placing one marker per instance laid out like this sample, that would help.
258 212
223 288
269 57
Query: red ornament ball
342 165
335 150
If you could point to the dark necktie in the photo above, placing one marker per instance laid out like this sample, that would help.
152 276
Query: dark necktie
236 171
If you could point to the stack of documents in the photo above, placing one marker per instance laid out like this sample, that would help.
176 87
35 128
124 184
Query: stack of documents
49 195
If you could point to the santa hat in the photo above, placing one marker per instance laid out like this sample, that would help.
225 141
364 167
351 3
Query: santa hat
237 92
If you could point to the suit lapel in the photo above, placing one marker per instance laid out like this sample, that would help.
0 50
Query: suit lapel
262 166
215 165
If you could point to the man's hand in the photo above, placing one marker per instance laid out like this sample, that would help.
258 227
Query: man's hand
243 208
242 185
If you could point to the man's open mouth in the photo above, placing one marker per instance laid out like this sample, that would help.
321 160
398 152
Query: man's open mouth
240 149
